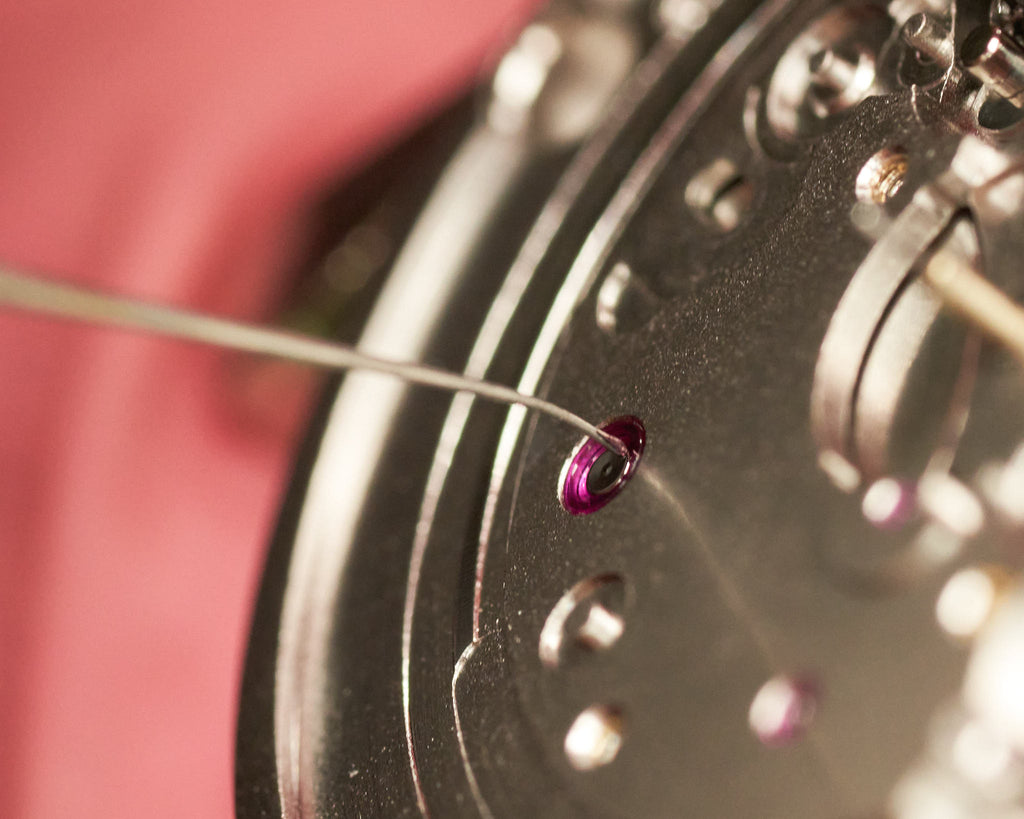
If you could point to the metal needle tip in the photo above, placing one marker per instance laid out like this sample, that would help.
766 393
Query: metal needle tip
612 443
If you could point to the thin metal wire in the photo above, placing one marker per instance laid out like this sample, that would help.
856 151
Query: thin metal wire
61 300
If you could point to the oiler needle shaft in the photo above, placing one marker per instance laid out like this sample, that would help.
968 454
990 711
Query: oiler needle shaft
69 301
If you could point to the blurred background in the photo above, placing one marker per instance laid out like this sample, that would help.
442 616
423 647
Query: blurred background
173 152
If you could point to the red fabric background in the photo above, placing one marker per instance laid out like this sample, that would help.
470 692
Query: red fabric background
165 150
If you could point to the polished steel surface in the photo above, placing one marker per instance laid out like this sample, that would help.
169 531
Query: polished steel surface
805 602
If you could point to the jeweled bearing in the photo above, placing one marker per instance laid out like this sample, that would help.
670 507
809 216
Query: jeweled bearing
593 475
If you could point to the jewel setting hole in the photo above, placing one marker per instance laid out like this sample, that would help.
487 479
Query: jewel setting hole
593 475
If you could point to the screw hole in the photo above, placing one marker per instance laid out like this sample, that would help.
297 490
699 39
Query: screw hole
592 475
720 195
587 618
882 176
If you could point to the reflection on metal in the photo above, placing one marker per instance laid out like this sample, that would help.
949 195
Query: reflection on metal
929 38
947 501
417 293
996 60
915 384
973 765
1002 484
855 322
889 503
555 83
684 18
631 643
610 296
968 599
782 710
886 326
828 69
492 333
595 737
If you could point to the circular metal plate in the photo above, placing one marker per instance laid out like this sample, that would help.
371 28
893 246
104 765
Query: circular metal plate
439 636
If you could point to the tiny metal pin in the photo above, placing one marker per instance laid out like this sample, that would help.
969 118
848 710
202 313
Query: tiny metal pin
929 37
997 60
977 300
67 301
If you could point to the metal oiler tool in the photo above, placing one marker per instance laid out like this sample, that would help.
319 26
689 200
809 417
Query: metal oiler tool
67 301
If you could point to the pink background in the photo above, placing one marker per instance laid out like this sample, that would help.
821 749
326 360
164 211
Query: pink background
166 150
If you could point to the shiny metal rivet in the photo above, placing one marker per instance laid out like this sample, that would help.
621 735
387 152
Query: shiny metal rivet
782 710
882 176
595 737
